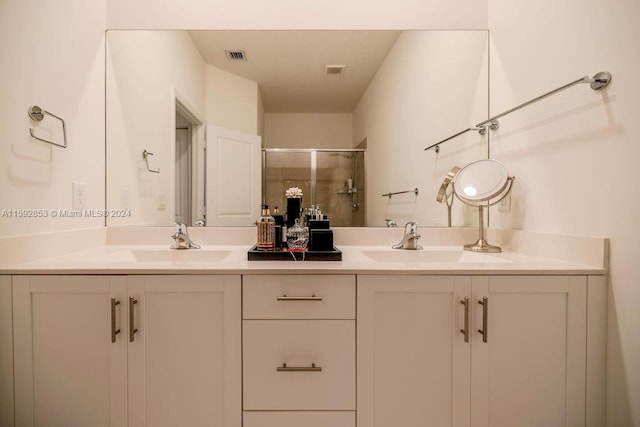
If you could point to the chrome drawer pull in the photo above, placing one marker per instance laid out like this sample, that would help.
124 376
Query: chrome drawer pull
485 319
132 323
114 330
311 298
312 368
465 331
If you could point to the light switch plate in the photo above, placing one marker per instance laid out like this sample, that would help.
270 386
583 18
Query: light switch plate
162 201
126 198
505 204
79 196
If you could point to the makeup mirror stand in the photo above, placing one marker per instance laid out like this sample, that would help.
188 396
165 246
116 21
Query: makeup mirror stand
482 184
481 245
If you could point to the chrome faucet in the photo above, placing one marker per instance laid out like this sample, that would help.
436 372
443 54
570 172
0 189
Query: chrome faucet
181 238
390 223
410 238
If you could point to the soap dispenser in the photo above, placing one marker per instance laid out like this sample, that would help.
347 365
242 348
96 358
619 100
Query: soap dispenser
266 224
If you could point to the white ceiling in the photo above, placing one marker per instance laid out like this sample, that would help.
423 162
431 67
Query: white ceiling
289 66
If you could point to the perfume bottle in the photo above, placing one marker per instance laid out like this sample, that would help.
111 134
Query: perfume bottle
266 225
297 237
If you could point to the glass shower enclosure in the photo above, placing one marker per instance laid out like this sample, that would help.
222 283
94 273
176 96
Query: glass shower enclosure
331 178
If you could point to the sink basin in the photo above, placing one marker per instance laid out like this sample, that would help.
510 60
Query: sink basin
176 255
431 256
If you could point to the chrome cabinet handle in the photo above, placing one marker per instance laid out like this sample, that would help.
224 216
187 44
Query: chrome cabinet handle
132 322
114 330
312 368
287 298
465 331
485 318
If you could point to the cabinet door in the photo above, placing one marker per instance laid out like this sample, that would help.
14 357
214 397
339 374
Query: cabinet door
68 372
531 370
6 353
413 362
185 358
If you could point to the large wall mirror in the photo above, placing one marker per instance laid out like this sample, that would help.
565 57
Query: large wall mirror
203 126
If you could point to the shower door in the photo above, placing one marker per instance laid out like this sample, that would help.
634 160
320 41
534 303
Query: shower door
340 186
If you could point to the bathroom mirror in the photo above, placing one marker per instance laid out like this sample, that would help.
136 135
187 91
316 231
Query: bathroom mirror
189 113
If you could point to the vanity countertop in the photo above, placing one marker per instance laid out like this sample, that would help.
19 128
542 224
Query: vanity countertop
223 259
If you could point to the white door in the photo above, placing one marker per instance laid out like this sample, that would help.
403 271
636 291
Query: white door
234 177
185 357
413 361
530 372
68 369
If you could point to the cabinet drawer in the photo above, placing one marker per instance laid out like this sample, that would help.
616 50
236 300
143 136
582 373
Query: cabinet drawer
299 297
329 344
298 419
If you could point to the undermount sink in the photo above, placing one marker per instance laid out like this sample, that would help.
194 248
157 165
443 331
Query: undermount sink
177 255
431 256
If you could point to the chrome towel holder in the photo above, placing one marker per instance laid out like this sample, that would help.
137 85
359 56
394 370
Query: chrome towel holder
598 82
145 156
37 114
414 191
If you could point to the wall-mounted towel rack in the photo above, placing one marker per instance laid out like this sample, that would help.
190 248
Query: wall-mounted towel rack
414 191
598 82
145 156
37 114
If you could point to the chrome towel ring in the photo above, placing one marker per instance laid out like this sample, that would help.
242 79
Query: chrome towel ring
37 114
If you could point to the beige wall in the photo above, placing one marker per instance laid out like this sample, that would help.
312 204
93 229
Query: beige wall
232 102
576 155
53 56
260 114
431 85
141 101
141 93
283 130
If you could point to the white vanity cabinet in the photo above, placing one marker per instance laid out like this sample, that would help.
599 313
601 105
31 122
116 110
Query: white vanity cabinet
299 350
530 372
279 350
127 350
413 363
185 360
524 363
67 369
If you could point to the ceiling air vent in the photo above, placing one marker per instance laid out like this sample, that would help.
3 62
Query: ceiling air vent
334 69
236 55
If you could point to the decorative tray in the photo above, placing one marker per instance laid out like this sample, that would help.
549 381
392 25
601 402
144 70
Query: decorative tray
284 254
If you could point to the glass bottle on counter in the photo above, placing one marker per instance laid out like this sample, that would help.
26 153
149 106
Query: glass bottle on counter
266 225
297 237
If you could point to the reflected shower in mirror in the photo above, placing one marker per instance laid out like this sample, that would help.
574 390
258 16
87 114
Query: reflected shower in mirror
332 180
207 103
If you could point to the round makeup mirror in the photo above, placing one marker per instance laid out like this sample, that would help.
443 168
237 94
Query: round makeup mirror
481 184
